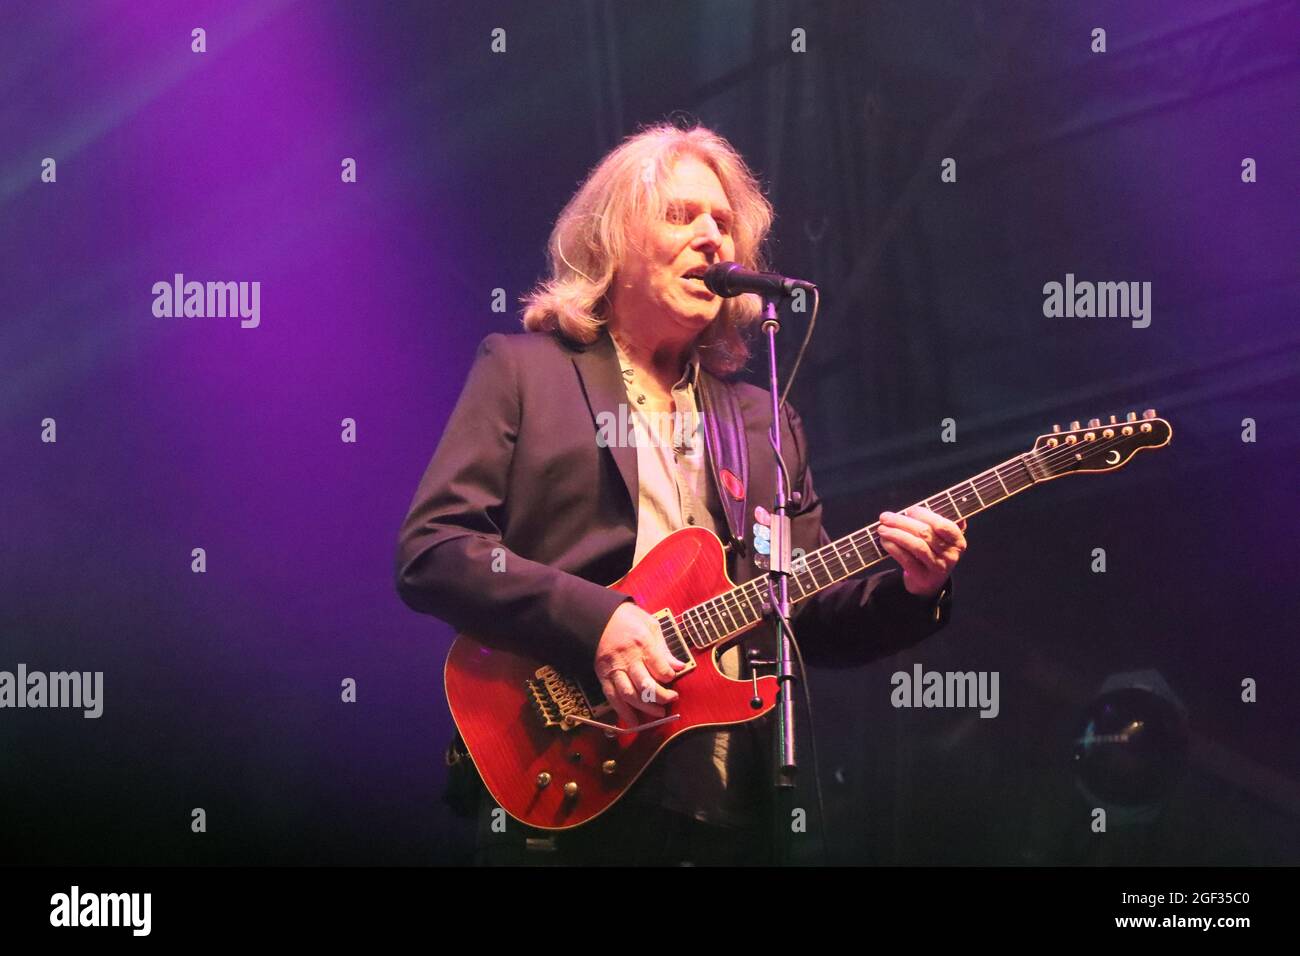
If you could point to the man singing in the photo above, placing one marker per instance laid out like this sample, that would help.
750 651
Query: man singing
528 508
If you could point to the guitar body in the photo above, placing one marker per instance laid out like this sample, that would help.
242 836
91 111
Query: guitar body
526 761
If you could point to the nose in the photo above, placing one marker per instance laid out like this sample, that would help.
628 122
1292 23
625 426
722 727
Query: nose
707 235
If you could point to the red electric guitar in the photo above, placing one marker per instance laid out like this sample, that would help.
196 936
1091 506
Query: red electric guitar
547 744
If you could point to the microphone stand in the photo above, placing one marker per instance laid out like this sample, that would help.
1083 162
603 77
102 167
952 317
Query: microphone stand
785 765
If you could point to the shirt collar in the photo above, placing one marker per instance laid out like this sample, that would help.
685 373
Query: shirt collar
690 377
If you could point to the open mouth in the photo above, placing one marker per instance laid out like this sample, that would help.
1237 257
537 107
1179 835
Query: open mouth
696 287
696 273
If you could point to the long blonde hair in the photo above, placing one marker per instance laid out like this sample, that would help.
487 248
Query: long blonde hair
593 233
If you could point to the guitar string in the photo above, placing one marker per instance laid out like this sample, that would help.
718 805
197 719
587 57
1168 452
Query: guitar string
731 600
847 546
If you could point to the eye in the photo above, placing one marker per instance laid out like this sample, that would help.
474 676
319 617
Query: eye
676 213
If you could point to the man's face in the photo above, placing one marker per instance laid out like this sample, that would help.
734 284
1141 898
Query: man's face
694 233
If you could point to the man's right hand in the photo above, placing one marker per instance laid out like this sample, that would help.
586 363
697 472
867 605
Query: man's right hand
631 660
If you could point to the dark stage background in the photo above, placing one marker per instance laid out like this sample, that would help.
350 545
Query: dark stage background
222 688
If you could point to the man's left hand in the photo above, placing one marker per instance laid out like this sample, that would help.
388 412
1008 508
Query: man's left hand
926 545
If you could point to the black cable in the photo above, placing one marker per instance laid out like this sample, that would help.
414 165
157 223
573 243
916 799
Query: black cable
803 347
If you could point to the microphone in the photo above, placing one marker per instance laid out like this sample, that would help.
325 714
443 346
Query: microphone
729 279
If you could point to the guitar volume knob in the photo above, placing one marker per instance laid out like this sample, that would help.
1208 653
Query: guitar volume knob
571 789
543 780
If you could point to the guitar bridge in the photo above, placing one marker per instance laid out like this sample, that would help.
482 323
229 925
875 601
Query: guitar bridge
558 699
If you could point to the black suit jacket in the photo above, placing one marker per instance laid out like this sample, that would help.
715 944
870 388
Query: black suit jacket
519 481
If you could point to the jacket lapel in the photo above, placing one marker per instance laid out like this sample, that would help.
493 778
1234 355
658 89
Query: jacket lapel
602 384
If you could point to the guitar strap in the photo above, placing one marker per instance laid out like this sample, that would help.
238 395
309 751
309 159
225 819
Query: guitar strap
724 441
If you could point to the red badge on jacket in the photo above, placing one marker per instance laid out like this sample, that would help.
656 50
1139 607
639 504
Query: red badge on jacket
733 485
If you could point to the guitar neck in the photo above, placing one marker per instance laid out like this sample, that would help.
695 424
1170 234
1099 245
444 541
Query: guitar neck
745 605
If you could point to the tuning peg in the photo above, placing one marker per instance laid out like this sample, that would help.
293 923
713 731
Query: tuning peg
1074 426
1055 429
1113 420
1131 417
1094 423
1149 413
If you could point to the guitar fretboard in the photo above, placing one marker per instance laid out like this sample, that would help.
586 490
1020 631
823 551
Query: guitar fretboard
745 605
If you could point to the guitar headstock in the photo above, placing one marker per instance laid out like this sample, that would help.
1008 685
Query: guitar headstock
1098 447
